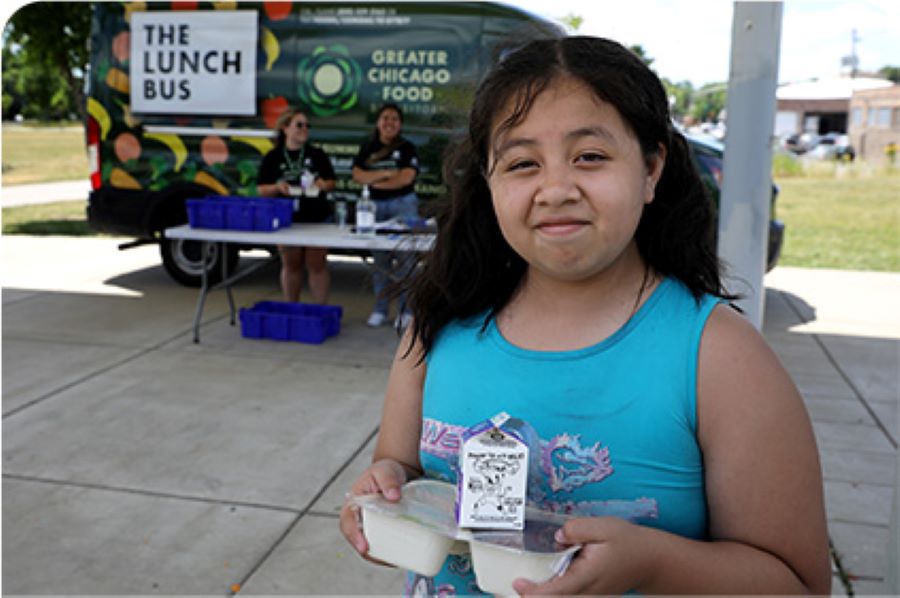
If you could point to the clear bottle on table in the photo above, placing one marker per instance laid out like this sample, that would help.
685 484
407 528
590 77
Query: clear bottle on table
365 214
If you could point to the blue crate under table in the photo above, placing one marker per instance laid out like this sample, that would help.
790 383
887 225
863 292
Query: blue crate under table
299 322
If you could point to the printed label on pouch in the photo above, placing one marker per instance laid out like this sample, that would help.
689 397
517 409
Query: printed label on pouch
493 477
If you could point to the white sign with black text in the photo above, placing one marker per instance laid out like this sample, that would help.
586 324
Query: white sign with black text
194 62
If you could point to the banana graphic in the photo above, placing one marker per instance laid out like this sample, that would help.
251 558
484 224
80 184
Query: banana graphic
121 179
174 143
131 7
271 47
225 5
262 144
100 114
118 80
208 180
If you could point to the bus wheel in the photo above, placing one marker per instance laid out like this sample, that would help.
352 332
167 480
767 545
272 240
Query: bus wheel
183 262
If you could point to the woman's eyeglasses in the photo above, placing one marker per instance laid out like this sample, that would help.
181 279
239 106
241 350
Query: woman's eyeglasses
301 125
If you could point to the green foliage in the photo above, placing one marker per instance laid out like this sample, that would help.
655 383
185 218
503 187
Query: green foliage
572 21
709 101
638 49
890 72
682 94
45 57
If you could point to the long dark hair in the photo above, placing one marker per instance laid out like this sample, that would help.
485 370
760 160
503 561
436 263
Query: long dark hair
381 110
473 270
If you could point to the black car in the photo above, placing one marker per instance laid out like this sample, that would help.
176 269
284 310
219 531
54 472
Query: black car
708 155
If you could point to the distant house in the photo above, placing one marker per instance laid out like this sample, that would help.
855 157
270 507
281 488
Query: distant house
874 121
820 106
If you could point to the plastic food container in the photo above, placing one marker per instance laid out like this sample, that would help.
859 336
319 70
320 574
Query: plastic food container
418 532
501 557
415 533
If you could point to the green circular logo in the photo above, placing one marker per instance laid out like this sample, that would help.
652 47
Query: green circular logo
329 80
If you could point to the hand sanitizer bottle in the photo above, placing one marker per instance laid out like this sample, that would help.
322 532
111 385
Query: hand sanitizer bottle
365 214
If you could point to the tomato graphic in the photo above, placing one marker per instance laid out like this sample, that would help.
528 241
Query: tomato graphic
127 147
213 149
184 5
277 11
272 109
121 46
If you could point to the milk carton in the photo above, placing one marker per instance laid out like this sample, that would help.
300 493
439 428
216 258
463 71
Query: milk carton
493 476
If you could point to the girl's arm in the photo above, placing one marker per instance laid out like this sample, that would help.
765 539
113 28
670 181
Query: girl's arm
763 485
396 457
401 417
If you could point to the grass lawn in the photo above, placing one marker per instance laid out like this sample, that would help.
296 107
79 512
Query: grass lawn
40 154
845 223
60 218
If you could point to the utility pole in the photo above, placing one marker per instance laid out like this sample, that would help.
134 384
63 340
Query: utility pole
747 176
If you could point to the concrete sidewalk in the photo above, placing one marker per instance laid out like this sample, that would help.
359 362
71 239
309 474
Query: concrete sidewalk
20 195
136 462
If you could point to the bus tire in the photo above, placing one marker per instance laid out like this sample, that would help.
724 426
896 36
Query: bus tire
182 261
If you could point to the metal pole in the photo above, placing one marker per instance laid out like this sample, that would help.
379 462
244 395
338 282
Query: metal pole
747 176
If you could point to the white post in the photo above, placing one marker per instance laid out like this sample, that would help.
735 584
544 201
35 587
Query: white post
892 583
747 176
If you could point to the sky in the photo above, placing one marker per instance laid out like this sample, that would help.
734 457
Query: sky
690 40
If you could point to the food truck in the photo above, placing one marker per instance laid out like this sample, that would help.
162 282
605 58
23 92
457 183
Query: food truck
183 97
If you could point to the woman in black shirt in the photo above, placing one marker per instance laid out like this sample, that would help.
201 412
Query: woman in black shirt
388 164
295 168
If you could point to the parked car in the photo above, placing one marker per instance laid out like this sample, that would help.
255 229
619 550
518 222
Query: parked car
833 146
708 155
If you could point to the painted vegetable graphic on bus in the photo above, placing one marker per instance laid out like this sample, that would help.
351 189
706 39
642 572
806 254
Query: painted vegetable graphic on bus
174 143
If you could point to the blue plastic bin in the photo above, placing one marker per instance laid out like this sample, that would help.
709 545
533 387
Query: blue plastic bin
299 322
205 213
232 212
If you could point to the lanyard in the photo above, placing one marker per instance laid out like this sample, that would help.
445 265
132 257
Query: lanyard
292 167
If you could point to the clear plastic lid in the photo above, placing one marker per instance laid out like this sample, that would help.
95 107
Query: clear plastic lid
538 536
427 502
432 503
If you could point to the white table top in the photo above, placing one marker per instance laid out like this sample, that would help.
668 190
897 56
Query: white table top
306 235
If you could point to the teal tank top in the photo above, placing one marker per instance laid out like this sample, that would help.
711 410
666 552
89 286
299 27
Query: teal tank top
617 420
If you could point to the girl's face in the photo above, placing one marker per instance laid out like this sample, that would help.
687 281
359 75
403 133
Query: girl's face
296 131
569 182
388 125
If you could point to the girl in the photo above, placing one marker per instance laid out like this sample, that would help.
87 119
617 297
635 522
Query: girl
281 173
388 164
574 285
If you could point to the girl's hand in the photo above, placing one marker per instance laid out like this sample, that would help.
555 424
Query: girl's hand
616 556
382 477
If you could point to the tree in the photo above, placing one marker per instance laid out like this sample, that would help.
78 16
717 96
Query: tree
638 49
48 43
709 101
681 96
572 20
890 72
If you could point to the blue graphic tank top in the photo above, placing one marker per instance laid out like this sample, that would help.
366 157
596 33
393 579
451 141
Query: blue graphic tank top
616 420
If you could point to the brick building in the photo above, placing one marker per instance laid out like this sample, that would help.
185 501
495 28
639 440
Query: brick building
874 122
820 106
